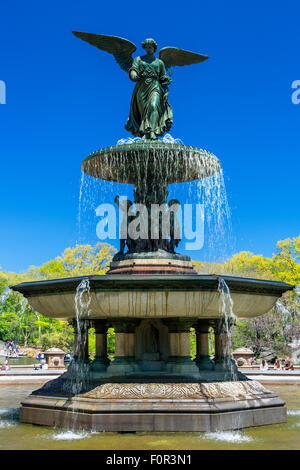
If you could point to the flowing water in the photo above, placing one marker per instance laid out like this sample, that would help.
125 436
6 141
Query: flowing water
226 310
167 138
19 361
209 192
78 370
15 435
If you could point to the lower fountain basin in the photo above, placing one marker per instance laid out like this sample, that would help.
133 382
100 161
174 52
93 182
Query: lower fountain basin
153 296
153 384
157 407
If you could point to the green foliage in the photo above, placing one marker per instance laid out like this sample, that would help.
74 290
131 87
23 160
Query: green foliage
211 342
18 321
78 261
111 341
61 335
193 343
92 342
277 328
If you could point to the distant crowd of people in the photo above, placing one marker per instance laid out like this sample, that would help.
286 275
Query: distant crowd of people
288 365
10 349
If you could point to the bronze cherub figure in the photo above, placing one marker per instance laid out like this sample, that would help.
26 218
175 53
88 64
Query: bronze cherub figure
150 112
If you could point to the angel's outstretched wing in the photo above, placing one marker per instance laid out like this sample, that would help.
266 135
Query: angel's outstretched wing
122 49
172 56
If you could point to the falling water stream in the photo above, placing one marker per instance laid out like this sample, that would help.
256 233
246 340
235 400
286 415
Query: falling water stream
78 370
231 372
226 309
77 377
169 162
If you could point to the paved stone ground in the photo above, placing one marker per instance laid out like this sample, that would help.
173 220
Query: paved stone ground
284 377
25 375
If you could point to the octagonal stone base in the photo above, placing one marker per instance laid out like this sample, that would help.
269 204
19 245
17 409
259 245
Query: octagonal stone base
154 407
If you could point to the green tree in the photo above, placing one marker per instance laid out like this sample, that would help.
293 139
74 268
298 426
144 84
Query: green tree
60 335
80 260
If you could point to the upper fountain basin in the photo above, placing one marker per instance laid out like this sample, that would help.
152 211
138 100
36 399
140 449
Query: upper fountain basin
153 296
140 161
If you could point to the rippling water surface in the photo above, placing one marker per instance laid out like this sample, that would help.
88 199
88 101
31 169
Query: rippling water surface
14 435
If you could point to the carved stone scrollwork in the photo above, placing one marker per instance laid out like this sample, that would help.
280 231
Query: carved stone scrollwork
238 390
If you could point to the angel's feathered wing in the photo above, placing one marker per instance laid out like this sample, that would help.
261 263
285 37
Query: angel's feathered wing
122 49
172 56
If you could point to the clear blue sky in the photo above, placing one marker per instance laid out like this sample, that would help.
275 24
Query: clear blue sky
66 99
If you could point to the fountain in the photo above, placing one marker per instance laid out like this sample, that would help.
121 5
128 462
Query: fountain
151 295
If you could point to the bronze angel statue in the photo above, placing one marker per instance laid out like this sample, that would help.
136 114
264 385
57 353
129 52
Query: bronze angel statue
150 112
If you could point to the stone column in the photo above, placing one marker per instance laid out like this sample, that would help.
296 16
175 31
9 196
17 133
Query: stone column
101 361
202 360
124 360
180 361
222 341
81 344
223 361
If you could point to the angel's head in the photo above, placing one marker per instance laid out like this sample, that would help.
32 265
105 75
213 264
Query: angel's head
149 45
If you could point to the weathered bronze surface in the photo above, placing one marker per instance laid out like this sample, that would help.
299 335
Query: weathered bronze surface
150 112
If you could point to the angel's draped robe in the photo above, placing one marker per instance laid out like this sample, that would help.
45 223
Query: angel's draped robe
150 111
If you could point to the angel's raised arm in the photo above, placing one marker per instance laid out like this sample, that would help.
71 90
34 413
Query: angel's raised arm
120 48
